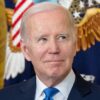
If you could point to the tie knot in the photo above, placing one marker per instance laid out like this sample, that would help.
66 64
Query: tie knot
50 92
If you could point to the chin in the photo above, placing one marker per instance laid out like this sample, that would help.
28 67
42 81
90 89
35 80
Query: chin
57 73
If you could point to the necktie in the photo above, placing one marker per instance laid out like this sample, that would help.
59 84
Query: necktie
50 92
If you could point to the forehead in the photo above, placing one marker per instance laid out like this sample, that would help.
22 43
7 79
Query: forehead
50 20
58 13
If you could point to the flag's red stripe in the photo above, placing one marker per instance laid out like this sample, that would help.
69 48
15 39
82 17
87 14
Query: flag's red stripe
18 45
19 5
15 35
19 17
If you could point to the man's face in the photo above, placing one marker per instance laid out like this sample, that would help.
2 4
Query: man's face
51 47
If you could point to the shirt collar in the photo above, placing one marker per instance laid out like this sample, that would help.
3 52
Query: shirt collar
40 87
64 87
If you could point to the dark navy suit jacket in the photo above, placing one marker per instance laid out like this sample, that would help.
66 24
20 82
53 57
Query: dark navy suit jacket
81 90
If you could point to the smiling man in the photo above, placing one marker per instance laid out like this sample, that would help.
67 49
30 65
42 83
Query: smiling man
48 40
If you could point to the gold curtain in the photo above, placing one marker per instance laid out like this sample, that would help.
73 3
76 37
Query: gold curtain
3 33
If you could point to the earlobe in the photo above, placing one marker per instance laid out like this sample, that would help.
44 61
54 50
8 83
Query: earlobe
25 51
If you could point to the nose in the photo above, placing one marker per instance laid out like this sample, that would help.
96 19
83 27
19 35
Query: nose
54 48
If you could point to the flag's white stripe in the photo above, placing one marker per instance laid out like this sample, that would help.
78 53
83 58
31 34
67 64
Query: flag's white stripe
17 40
20 10
16 28
18 1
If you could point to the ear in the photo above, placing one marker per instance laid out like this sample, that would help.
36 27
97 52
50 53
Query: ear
25 50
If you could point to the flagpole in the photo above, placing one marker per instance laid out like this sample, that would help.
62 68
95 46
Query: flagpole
3 34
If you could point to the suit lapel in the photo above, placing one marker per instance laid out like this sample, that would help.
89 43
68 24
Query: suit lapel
80 89
28 89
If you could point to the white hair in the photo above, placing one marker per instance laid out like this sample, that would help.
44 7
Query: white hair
44 6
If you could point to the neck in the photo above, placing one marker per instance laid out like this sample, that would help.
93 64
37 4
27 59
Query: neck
52 81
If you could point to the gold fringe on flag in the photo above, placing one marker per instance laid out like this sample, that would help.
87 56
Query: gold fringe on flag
3 33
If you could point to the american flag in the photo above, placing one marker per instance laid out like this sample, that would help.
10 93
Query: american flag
20 8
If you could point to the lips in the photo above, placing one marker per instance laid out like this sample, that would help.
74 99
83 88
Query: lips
54 61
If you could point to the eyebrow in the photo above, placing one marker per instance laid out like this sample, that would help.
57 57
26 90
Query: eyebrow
46 35
40 35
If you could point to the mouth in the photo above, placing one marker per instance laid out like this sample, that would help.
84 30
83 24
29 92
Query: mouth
54 61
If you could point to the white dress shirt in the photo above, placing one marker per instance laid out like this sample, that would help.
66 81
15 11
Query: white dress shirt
64 88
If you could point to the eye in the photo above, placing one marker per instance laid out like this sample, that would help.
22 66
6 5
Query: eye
62 37
42 39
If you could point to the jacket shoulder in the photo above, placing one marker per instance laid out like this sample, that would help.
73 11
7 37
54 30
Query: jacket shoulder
15 92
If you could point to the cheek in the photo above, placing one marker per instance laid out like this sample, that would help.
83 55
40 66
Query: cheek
69 51
42 51
37 53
